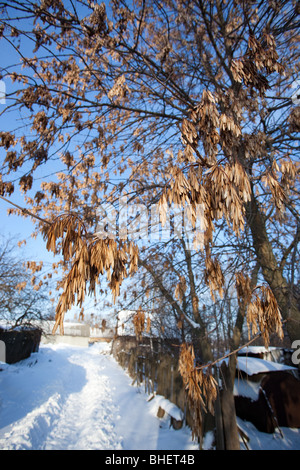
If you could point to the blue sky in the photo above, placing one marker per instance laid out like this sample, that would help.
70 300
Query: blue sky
13 226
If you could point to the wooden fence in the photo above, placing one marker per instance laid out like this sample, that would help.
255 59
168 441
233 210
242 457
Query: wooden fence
156 369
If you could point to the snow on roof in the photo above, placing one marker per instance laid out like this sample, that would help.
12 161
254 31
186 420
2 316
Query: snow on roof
257 349
246 388
254 365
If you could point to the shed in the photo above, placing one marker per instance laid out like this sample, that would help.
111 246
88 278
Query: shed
267 393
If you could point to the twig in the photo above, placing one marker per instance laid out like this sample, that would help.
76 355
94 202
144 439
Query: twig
26 211
230 353
236 350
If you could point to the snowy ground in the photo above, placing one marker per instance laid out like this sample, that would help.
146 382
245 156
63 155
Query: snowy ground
75 398
66 397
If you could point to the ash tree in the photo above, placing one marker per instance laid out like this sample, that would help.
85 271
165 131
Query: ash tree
163 102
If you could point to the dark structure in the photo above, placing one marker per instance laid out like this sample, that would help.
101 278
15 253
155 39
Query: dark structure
20 343
278 403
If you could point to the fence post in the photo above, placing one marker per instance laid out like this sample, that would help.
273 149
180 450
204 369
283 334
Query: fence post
153 372
161 375
231 435
168 379
220 444
178 392
140 369
132 364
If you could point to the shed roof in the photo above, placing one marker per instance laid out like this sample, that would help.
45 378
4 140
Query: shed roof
254 365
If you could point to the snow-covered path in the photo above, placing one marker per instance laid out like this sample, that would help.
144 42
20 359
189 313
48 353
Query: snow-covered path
79 398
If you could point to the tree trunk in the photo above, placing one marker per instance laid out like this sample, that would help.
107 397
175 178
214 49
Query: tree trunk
226 425
271 270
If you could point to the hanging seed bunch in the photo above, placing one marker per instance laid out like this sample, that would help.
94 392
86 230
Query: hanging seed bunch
213 276
261 57
89 257
229 189
66 235
180 289
278 194
263 315
148 327
243 287
139 324
200 385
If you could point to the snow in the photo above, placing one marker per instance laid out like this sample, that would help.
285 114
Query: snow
169 407
257 349
289 440
253 365
79 398
245 388
75 398
125 324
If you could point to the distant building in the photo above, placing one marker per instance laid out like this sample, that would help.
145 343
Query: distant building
75 333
